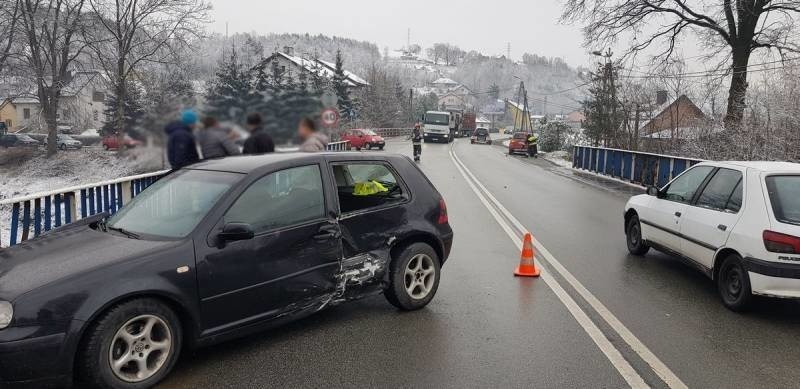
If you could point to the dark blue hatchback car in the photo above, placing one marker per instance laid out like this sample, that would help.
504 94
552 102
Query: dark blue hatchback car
211 252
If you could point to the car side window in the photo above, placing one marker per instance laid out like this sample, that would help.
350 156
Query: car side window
735 202
720 189
281 199
365 185
683 188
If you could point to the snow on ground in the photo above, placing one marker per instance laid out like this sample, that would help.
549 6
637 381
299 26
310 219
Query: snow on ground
29 172
560 158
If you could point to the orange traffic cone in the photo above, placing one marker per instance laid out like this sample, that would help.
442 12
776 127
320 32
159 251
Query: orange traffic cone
526 266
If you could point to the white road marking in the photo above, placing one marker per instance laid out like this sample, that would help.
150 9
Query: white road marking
625 369
636 345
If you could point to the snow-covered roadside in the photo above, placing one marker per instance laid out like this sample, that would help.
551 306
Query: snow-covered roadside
37 173
560 158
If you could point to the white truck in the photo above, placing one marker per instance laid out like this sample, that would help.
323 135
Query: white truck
440 125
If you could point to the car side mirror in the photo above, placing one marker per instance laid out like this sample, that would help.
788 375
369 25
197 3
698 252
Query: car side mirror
653 191
233 232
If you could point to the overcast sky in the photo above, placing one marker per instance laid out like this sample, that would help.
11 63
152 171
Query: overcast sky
487 26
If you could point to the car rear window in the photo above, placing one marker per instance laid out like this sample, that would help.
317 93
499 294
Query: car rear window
481 131
519 135
784 194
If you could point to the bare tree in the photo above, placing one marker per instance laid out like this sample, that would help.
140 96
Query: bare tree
740 27
54 35
9 18
135 32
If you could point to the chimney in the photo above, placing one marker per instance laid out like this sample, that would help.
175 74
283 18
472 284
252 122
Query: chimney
661 97
288 50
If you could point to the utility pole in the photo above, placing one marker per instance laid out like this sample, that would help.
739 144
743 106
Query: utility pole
610 90
508 51
411 105
408 40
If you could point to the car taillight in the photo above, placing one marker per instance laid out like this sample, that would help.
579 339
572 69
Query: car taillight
443 212
781 243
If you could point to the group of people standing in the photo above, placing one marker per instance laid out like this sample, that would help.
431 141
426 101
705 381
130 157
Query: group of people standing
190 140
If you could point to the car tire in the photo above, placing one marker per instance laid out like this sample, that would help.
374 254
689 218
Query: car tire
62 147
358 148
380 148
105 147
124 328
733 284
633 237
413 277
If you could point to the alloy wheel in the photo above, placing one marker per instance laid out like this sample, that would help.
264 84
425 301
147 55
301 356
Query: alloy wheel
420 275
140 348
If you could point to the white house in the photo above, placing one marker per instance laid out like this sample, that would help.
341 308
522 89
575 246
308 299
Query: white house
81 105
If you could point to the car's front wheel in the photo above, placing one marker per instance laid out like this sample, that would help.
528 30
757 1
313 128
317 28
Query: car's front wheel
414 277
133 345
633 233
733 284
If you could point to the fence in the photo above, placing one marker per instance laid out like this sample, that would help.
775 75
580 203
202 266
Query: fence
338 146
36 214
632 166
391 132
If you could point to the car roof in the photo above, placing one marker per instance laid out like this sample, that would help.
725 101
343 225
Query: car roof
248 163
762 166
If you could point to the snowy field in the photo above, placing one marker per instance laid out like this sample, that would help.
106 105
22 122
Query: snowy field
28 173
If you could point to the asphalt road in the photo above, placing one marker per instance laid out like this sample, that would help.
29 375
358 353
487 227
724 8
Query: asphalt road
653 321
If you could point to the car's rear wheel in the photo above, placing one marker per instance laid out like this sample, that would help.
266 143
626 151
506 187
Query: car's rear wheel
381 147
733 284
414 277
105 147
633 233
62 146
133 345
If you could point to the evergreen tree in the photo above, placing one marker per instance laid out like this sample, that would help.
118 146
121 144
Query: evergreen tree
134 111
341 88
228 97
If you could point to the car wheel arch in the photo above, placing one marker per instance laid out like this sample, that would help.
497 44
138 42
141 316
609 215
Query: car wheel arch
189 323
719 258
429 239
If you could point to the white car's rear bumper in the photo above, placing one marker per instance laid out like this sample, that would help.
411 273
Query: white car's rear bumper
773 278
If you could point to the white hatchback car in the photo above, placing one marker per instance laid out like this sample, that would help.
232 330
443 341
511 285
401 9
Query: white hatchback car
737 222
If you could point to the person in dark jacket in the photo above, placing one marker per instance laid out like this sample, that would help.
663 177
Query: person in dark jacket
259 141
181 147
216 141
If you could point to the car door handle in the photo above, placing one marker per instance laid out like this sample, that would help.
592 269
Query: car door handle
327 233
678 214
723 227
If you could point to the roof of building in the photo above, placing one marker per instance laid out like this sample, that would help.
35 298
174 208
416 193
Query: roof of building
322 68
444 81
663 109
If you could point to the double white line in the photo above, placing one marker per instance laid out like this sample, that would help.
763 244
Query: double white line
514 229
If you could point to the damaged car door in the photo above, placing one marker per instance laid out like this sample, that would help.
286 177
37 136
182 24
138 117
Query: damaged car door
277 251
371 196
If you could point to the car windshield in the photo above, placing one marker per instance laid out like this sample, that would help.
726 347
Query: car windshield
65 137
481 131
172 207
370 132
25 138
784 193
437 118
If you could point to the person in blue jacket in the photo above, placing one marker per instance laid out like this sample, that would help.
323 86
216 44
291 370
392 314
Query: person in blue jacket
181 146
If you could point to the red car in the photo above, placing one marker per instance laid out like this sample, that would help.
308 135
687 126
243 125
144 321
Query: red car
364 139
110 142
518 144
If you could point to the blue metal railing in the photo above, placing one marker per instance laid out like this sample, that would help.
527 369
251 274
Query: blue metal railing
632 166
36 214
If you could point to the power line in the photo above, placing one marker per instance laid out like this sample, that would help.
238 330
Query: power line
645 75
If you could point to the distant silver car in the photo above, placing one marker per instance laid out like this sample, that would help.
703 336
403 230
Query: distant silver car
65 142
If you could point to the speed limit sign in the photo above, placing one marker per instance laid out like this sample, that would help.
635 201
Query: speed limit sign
330 117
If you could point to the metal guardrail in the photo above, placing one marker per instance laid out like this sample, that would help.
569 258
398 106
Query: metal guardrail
38 213
632 166
391 132
338 146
